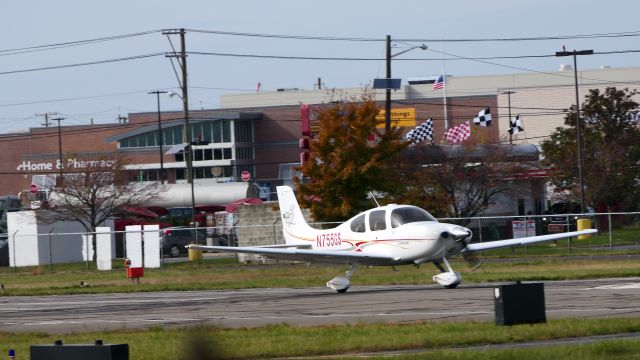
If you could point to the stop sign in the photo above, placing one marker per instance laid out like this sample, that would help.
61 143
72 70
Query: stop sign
33 188
245 176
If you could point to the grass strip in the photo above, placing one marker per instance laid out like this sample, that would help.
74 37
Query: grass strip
213 275
284 340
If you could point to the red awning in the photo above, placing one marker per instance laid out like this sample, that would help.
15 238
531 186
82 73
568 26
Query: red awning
233 206
142 212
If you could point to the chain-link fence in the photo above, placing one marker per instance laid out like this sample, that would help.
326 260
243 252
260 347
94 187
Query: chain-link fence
618 233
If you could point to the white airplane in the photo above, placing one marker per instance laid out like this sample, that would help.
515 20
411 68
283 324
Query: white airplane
384 236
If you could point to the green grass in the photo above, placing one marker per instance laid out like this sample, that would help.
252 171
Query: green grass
224 274
283 340
610 349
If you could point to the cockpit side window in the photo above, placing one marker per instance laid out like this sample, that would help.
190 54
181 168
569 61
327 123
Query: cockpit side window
357 225
409 214
376 220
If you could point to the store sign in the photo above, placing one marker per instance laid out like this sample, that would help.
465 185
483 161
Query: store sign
399 117
36 166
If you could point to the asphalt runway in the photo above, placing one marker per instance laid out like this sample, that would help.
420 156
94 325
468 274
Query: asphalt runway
311 306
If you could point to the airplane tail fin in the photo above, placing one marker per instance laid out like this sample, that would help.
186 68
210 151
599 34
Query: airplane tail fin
295 229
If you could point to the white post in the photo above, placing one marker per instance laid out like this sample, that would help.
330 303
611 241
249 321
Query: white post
134 244
151 246
104 248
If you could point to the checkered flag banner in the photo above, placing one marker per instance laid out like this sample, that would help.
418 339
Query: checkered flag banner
421 132
458 133
483 118
515 125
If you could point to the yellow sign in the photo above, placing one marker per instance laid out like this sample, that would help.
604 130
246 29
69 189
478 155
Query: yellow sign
399 117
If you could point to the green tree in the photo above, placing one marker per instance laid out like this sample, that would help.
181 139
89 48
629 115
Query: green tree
611 150
345 164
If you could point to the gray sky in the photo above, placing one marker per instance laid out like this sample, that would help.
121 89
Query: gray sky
103 91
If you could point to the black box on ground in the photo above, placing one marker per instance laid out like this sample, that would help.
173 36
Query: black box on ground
519 304
96 351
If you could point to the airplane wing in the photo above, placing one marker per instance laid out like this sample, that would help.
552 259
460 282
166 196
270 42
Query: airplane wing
293 253
525 240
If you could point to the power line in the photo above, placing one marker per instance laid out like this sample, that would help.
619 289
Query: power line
82 64
73 98
440 40
53 46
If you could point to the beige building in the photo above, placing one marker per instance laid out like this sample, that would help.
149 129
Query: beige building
539 97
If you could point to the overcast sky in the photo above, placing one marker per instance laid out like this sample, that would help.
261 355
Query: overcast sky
103 91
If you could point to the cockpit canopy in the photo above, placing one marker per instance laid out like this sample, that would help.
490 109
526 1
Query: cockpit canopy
408 214
379 219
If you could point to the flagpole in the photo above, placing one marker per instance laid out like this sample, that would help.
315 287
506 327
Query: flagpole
444 79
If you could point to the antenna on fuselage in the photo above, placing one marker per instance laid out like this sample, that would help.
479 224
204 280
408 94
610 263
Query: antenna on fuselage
374 198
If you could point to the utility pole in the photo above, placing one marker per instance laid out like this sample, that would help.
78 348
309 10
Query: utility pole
46 117
387 102
185 106
61 181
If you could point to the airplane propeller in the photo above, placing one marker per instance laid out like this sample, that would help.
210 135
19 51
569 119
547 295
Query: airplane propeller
473 262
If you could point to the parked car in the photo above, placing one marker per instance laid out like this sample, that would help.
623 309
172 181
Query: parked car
560 217
174 240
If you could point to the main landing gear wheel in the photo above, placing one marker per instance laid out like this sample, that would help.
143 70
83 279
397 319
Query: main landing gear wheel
342 283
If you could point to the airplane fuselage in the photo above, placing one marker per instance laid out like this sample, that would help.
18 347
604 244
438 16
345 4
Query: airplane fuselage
382 232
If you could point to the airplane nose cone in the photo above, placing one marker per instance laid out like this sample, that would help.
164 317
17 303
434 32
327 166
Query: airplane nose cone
460 233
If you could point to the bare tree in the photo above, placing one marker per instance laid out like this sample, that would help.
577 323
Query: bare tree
95 191
461 180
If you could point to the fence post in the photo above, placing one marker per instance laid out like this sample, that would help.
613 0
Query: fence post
568 240
15 265
50 254
86 246
610 235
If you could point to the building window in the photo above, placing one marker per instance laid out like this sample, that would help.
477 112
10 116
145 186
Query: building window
244 153
226 131
172 136
243 131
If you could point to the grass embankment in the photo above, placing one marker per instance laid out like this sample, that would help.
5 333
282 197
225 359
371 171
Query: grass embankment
283 340
224 274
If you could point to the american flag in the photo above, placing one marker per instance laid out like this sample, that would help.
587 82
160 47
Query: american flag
459 133
439 84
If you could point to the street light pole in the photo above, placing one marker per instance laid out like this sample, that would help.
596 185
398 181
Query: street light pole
578 133
387 103
161 175
509 105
